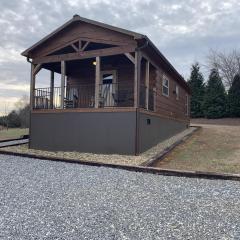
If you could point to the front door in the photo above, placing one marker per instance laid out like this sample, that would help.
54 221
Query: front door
108 88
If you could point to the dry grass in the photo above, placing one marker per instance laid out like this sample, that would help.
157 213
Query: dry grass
12 133
215 148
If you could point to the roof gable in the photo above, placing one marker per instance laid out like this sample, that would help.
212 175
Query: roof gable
86 29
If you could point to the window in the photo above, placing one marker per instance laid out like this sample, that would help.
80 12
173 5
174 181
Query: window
177 92
187 105
165 87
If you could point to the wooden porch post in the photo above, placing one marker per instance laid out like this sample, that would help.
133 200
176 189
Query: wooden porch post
147 85
97 81
35 68
63 73
137 72
51 89
32 87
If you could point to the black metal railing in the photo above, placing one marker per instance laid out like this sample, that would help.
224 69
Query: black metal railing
116 95
83 96
45 99
80 96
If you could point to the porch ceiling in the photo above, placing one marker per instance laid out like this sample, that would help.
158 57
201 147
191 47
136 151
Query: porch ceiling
71 66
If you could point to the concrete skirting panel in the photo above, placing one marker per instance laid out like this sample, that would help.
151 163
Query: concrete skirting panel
97 132
154 129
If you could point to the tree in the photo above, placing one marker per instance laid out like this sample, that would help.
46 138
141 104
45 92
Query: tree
215 96
234 98
227 64
13 119
23 110
22 102
24 115
196 84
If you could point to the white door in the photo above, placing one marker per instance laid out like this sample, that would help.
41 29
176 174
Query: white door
108 88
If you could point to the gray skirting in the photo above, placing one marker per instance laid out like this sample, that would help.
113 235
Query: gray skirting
99 132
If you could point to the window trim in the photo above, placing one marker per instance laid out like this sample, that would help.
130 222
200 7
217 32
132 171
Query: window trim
164 94
177 90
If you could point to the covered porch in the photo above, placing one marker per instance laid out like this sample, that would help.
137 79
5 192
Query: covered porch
107 80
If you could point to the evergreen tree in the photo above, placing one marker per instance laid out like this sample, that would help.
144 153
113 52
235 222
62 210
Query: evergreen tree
234 98
215 97
196 84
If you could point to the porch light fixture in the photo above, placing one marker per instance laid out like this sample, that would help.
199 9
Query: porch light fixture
94 63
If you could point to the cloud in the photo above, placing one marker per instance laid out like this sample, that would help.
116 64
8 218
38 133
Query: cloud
184 30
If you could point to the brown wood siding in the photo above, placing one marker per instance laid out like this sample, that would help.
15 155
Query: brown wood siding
169 105
84 31
125 74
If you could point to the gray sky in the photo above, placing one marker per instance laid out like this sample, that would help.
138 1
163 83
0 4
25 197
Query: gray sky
183 30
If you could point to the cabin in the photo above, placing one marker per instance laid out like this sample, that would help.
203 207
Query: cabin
117 93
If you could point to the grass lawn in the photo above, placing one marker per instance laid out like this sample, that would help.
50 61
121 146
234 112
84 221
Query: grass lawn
215 148
12 133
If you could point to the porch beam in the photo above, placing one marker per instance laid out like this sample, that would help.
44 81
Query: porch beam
79 44
37 68
87 54
150 60
84 47
97 81
137 74
68 43
147 84
130 57
74 47
63 73
51 89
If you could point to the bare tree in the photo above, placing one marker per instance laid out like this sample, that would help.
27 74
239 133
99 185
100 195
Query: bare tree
6 111
22 102
228 64
23 110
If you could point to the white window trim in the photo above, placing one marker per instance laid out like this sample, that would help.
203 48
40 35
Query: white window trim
164 94
177 90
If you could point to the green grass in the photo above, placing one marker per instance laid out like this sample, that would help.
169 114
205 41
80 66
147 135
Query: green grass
12 133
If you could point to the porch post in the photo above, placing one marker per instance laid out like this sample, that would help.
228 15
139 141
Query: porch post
32 87
63 73
97 81
147 85
137 72
51 89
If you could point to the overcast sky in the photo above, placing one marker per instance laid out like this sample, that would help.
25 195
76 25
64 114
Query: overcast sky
184 31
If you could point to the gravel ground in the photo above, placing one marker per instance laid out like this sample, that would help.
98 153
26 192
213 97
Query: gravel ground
56 200
105 158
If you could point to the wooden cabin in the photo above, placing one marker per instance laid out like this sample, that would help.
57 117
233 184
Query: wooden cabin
118 93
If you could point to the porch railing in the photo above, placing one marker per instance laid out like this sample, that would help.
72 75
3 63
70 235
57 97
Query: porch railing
42 98
83 96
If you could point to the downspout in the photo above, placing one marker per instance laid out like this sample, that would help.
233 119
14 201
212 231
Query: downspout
30 114
137 131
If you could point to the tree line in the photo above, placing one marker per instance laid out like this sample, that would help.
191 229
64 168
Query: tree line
18 117
219 96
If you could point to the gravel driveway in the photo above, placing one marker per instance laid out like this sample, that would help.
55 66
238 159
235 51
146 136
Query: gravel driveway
56 200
